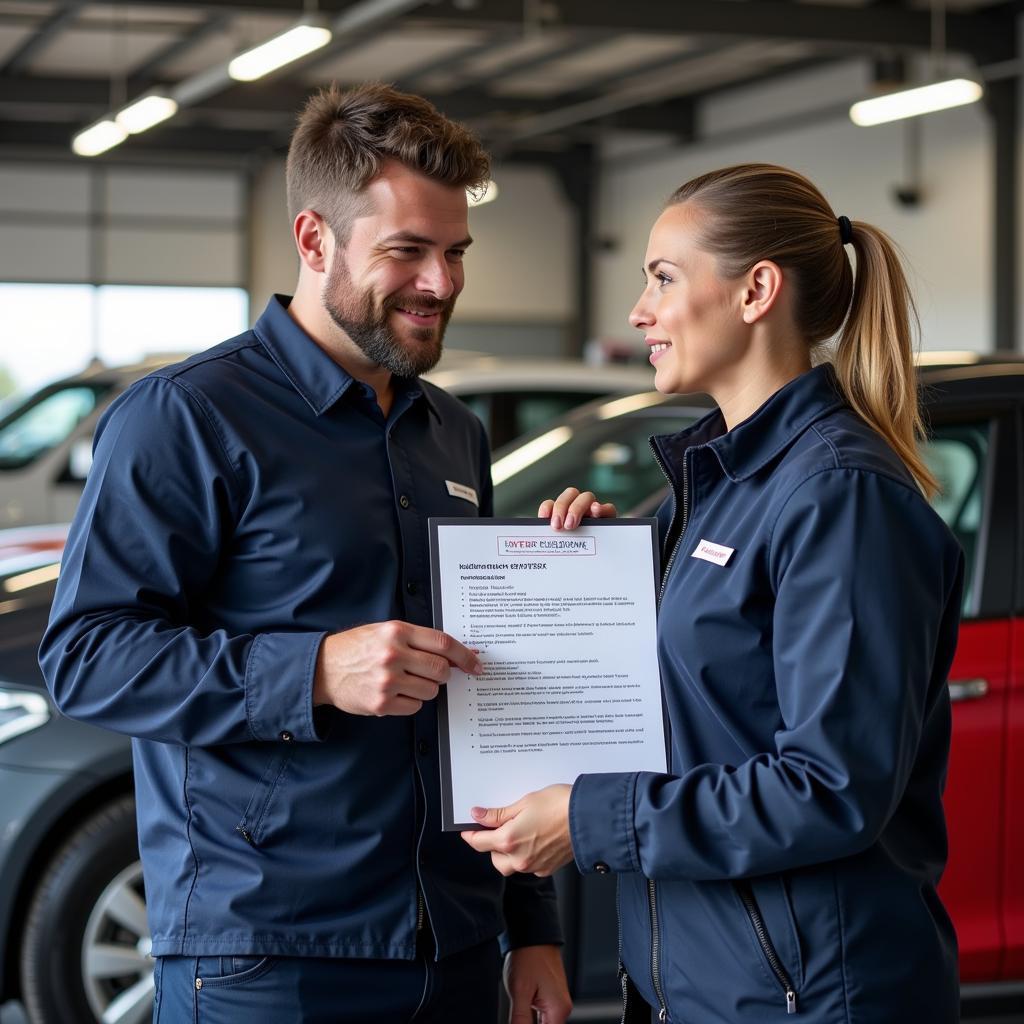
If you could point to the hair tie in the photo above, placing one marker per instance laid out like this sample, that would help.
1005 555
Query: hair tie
845 230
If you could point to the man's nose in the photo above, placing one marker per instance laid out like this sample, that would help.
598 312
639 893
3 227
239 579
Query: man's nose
437 278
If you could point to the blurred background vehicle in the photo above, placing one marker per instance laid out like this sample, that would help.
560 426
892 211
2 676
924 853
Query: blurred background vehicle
73 933
46 439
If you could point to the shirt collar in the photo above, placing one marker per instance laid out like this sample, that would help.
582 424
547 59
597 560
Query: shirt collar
311 371
750 445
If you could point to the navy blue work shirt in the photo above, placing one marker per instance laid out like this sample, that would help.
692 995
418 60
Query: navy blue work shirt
242 505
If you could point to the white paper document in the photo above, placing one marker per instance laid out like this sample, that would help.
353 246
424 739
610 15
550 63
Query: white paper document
565 623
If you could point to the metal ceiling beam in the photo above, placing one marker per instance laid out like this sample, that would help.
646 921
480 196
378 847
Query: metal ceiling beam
74 100
983 34
195 139
143 75
60 19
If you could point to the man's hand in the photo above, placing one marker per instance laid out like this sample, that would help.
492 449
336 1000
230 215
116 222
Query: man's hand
387 668
531 835
535 981
567 511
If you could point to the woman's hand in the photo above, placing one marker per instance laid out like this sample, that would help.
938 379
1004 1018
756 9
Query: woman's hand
566 512
531 835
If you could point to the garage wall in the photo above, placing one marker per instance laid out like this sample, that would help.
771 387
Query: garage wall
801 122
96 225
518 294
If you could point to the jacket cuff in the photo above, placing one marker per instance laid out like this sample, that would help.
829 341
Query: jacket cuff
531 913
277 666
601 823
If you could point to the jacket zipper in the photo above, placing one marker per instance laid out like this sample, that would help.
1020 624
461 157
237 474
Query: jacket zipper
623 977
652 900
652 893
764 940
676 502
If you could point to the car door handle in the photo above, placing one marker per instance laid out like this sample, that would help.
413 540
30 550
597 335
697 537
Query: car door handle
967 689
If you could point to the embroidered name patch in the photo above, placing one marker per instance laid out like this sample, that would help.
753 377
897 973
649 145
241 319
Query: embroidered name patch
718 554
462 491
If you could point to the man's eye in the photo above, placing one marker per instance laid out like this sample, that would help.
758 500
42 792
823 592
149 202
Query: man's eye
405 250
456 255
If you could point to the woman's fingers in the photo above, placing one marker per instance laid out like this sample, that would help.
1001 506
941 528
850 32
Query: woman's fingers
572 506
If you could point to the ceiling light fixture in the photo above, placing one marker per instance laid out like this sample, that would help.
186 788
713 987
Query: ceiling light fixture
925 99
146 112
299 40
98 138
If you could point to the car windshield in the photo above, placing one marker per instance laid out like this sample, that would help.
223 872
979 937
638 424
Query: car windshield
43 421
611 457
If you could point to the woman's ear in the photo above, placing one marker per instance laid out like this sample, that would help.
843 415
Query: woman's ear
313 239
761 289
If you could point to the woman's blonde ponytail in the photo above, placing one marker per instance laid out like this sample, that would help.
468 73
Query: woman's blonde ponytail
874 358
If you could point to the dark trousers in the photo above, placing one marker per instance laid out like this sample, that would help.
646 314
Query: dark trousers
460 989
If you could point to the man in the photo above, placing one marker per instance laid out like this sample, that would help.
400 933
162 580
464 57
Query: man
245 592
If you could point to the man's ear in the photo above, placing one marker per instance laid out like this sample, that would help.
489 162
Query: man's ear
313 240
762 286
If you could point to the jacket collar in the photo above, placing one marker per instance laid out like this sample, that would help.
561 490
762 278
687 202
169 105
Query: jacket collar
752 444
310 370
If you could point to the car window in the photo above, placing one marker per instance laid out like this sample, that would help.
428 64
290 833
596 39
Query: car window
531 409
610 457
509 414
43 422
956 453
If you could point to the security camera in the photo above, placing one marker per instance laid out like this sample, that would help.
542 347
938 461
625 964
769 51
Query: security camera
907 195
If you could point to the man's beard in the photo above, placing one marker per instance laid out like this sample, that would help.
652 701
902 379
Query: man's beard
370 328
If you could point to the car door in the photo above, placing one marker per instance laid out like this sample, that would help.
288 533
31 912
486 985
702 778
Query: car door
973 450
1013 846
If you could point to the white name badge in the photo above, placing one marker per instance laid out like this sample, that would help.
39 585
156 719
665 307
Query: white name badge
717 554
462 491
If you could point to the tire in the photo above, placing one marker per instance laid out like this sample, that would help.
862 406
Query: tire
85 948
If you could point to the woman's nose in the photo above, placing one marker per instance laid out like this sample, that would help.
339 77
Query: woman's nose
641 316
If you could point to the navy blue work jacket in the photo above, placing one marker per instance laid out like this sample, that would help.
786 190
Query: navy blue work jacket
241 505
788 862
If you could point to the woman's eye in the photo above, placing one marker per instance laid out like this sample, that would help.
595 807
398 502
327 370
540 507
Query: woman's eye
663 278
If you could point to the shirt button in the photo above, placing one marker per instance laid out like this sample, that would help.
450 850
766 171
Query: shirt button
404 501
286 736
601 868
412 587
423 747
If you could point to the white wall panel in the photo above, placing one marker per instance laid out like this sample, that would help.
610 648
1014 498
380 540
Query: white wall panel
43 252
42 188
145 256
193 195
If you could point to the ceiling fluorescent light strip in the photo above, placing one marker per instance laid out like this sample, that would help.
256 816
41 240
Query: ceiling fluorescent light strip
926 99
98 138
275 53
146 112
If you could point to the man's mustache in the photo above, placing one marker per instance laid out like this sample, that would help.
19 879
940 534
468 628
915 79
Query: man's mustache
420 304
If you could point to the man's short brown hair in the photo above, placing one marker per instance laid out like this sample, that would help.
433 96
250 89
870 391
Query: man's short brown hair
343 138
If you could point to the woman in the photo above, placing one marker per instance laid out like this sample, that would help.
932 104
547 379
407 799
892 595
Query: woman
788 861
